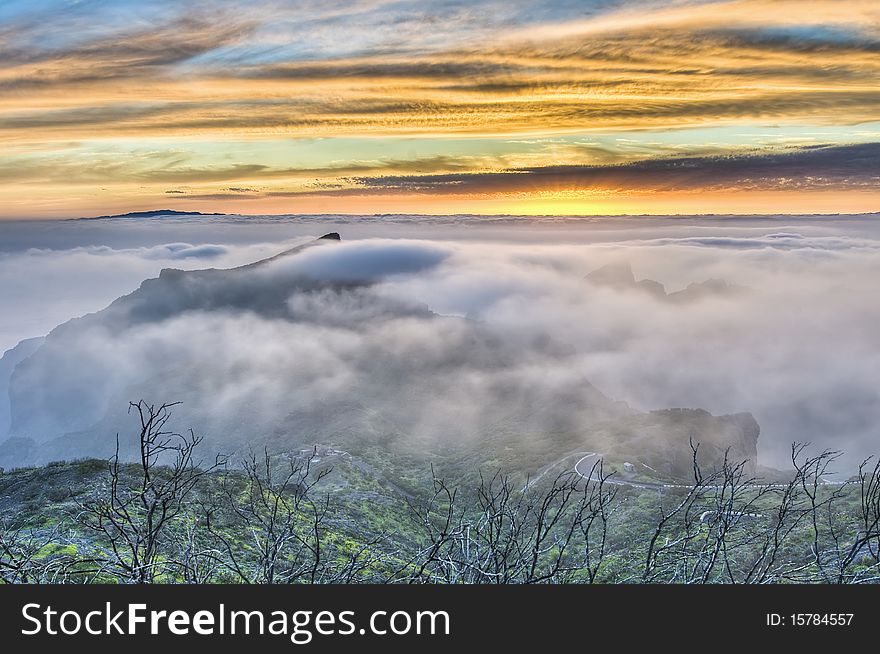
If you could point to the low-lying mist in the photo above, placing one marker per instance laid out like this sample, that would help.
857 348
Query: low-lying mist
451 324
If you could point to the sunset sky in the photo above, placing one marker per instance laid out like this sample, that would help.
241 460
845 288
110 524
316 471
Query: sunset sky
372 106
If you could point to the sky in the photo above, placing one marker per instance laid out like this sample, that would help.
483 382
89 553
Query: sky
440 107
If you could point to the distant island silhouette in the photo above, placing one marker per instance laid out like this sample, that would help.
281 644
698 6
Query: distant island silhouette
152 214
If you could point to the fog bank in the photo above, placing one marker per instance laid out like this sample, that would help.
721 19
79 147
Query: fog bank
786 328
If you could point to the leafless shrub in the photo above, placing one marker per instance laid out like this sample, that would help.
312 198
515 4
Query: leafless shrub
513 536
274 527
133 515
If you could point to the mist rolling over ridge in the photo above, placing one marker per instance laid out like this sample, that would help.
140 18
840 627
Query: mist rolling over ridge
447 335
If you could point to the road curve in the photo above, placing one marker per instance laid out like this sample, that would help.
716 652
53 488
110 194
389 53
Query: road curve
586 470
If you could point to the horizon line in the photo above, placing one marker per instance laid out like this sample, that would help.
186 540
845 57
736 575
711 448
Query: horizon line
159 212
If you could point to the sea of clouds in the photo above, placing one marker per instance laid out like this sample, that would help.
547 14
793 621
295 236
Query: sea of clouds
797 345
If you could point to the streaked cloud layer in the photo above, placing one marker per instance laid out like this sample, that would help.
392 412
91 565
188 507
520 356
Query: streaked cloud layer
498 107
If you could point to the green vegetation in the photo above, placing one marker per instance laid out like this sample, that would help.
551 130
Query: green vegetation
328 516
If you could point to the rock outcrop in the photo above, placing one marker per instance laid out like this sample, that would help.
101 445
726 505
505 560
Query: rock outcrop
620 277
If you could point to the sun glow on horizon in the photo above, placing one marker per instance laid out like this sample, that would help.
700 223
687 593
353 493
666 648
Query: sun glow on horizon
639 107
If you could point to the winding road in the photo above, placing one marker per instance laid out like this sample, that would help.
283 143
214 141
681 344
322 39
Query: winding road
585 467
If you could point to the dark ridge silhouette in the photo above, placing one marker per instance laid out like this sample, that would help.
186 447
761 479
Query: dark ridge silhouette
151 214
